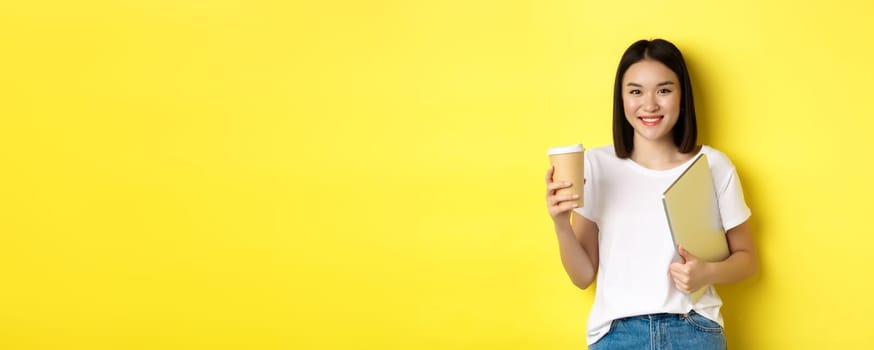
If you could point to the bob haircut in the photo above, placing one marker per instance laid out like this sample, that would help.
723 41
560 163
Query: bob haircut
686 130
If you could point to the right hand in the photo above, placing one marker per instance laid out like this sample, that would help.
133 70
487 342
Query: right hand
559 205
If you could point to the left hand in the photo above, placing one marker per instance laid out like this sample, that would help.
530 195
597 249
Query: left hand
691 274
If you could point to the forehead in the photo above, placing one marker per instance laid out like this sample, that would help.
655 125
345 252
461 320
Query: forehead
649 72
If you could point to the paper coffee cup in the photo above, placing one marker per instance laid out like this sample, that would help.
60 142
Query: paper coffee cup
568 163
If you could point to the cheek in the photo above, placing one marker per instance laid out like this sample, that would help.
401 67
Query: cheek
674 102
630 106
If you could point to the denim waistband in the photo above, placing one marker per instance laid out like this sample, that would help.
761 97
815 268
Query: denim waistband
660 316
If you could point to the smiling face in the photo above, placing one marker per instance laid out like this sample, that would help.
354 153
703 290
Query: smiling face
651 99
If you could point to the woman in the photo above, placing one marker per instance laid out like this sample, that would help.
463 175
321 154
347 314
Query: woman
621 235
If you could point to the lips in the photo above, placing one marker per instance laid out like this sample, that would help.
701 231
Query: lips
651 120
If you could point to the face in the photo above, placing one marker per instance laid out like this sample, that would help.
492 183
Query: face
651 96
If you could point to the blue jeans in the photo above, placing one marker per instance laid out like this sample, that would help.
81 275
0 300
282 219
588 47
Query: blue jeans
661 332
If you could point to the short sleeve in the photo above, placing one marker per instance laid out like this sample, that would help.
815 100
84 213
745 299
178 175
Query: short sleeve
732 206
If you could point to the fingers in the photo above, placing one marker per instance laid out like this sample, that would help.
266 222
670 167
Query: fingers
549 173
679 275
681 278
568 206
555 200
552 186
568 197
560 206
564 208
686 255
681 281
682 286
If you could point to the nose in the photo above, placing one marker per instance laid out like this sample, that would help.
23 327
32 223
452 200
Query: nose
649 104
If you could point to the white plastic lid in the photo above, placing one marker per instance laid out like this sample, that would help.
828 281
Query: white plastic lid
565 149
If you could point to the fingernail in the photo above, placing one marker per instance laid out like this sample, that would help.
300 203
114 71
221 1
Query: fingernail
575 205
576 196
566 183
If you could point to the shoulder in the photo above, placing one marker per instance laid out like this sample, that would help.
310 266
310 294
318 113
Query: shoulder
718 161
602 161
715 156
602 152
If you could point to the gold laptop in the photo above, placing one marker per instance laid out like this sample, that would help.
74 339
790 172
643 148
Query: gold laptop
693 215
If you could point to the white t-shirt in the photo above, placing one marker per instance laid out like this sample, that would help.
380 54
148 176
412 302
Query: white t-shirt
624 199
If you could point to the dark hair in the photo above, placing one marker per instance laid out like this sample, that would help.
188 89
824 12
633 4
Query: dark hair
686 130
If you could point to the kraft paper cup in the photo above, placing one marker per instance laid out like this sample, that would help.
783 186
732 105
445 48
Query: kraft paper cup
568 163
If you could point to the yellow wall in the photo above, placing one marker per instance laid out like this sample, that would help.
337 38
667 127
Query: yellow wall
369 174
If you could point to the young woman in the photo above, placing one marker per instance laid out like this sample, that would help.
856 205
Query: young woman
621 236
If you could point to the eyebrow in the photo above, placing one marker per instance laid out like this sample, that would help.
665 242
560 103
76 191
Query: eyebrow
667 82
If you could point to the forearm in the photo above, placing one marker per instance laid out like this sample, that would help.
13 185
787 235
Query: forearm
576 261
739 266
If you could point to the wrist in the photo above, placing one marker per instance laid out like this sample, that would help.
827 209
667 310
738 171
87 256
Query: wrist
711 272
562 225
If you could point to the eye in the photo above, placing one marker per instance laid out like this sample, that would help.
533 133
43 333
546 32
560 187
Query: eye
665 91
634 92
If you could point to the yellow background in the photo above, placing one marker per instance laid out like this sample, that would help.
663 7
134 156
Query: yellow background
369 174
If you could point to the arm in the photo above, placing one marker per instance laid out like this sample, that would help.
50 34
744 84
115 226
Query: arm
694 273
582 268
578 242
743 261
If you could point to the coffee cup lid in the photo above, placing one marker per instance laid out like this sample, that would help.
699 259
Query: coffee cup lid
565 149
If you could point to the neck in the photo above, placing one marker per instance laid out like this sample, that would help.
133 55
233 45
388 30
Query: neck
657 154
